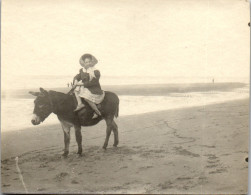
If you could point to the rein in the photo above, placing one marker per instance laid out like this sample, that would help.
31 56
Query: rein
71 91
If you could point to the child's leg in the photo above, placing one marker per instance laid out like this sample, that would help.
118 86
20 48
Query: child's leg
93 106
80 104
78 98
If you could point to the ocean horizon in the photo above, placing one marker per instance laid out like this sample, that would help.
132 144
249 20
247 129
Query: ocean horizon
62 81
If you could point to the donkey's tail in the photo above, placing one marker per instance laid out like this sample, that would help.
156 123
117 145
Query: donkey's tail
117 111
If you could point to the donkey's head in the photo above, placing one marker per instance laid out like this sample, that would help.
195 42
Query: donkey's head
43 106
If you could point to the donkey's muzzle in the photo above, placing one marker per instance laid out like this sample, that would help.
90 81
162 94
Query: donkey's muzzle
35 120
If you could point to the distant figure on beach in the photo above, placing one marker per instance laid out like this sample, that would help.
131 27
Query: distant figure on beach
87 84
213 80
68 85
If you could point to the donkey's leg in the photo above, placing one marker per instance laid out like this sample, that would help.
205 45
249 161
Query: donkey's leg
78 138
66 128
108 121
66 143
116 134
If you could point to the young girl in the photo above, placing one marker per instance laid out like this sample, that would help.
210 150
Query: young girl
87 85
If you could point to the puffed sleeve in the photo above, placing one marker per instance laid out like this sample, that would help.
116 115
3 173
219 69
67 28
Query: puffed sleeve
77 77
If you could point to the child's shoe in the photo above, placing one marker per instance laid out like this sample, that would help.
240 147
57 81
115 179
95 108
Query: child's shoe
95 115
79 107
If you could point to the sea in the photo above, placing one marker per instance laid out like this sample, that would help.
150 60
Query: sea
16 113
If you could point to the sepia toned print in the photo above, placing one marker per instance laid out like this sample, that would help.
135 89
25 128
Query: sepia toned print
146 96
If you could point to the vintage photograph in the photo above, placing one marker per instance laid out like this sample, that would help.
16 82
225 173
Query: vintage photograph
125 96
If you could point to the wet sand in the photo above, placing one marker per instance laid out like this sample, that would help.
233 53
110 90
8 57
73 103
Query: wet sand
192 150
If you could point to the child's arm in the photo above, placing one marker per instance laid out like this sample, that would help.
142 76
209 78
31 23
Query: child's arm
79 84
76 79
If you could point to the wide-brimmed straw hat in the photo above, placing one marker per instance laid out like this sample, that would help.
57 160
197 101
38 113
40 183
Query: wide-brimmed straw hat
83 57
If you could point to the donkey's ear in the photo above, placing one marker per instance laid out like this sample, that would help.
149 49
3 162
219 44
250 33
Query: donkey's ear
43 91
34 93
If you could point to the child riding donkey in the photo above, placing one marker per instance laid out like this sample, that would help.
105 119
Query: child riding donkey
87 85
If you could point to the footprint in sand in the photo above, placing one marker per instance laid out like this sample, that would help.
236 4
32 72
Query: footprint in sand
146 167
97 158
74 181
124 167
6 185
184 178
43 165
181 151
211 166
220 170
166 185
61 176
51 169
214 164
41 189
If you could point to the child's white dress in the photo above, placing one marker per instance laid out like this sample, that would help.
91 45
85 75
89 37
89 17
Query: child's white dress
85 92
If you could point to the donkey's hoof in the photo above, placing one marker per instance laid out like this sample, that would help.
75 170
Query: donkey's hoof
80 155
65 154
104 147
115 145
79 152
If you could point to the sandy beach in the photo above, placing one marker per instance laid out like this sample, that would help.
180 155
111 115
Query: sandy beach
192 150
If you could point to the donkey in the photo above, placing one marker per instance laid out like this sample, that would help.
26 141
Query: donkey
63 105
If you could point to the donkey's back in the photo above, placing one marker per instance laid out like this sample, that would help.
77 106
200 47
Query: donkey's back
109 109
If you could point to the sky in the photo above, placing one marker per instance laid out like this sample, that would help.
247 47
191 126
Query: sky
129 37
